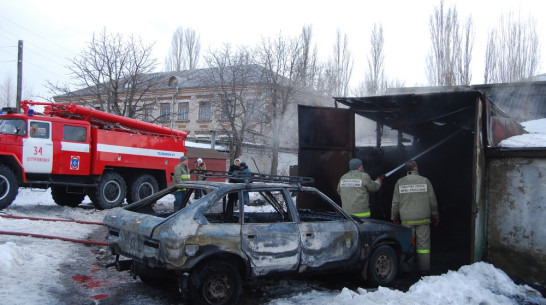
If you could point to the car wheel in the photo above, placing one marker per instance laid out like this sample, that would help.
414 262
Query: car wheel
61 197
142 187
110 192
8 186
383 266
215 282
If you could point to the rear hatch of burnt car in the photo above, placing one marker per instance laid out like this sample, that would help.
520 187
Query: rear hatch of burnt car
130 233
143 229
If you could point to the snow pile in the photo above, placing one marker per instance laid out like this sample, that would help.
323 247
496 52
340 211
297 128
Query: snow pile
536 136
479 283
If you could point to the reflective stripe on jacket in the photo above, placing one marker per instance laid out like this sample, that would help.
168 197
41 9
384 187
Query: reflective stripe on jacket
181 173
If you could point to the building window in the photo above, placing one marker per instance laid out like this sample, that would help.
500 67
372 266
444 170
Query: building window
204 111
164 111
148 111
183 111
226 112
254 110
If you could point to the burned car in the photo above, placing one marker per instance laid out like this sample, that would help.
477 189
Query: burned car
265 225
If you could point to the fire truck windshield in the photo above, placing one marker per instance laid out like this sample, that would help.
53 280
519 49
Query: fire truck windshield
13 126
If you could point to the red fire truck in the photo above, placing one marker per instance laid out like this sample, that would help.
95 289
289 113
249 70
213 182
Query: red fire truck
79 151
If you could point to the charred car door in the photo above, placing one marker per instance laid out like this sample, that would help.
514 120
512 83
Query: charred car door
328 236
270 237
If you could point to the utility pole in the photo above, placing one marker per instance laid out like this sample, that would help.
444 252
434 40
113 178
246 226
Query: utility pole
19 75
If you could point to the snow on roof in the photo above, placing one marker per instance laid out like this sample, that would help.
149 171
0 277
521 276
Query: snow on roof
536 136
204 145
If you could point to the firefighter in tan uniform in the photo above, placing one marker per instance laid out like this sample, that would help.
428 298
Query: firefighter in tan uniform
414 206
354 186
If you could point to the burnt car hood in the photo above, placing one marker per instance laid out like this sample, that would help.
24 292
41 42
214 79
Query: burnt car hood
141 224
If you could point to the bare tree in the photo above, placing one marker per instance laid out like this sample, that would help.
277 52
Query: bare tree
8 92
281 58
339 68
309 66
512 52
115 74
464 76
374 78
185 50
237 101
449 61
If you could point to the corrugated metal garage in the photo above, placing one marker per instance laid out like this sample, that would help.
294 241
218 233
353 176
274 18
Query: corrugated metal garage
454 134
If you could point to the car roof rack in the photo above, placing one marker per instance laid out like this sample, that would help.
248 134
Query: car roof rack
249 177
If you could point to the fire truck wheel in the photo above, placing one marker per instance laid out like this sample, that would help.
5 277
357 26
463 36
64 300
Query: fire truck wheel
111 191
8 186
142 187
62 197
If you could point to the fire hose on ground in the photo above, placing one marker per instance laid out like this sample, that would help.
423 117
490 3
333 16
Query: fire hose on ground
81 241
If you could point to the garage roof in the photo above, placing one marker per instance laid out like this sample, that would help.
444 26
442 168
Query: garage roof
429 115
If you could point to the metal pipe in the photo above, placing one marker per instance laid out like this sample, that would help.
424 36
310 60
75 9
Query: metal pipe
172 107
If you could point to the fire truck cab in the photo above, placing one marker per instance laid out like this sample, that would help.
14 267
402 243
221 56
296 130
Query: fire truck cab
78 151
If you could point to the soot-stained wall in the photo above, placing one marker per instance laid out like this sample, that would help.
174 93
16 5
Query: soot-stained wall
517 210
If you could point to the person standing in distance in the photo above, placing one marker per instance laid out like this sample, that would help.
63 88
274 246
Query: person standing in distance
414 206
181 173
232 197
354 188
245 169
199 165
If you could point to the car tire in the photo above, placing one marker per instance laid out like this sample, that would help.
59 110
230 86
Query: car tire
63 198
383 266
110 192
142 187
8 186
216 283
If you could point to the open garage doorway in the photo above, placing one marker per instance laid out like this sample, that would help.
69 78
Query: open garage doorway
441 131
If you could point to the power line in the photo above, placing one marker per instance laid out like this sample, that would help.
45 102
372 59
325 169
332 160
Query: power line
37 35
32 47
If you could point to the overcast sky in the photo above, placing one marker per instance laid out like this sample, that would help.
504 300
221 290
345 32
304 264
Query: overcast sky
55 31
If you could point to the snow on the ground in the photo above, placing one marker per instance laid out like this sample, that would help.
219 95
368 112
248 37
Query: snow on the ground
479 283
29 267
536 136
